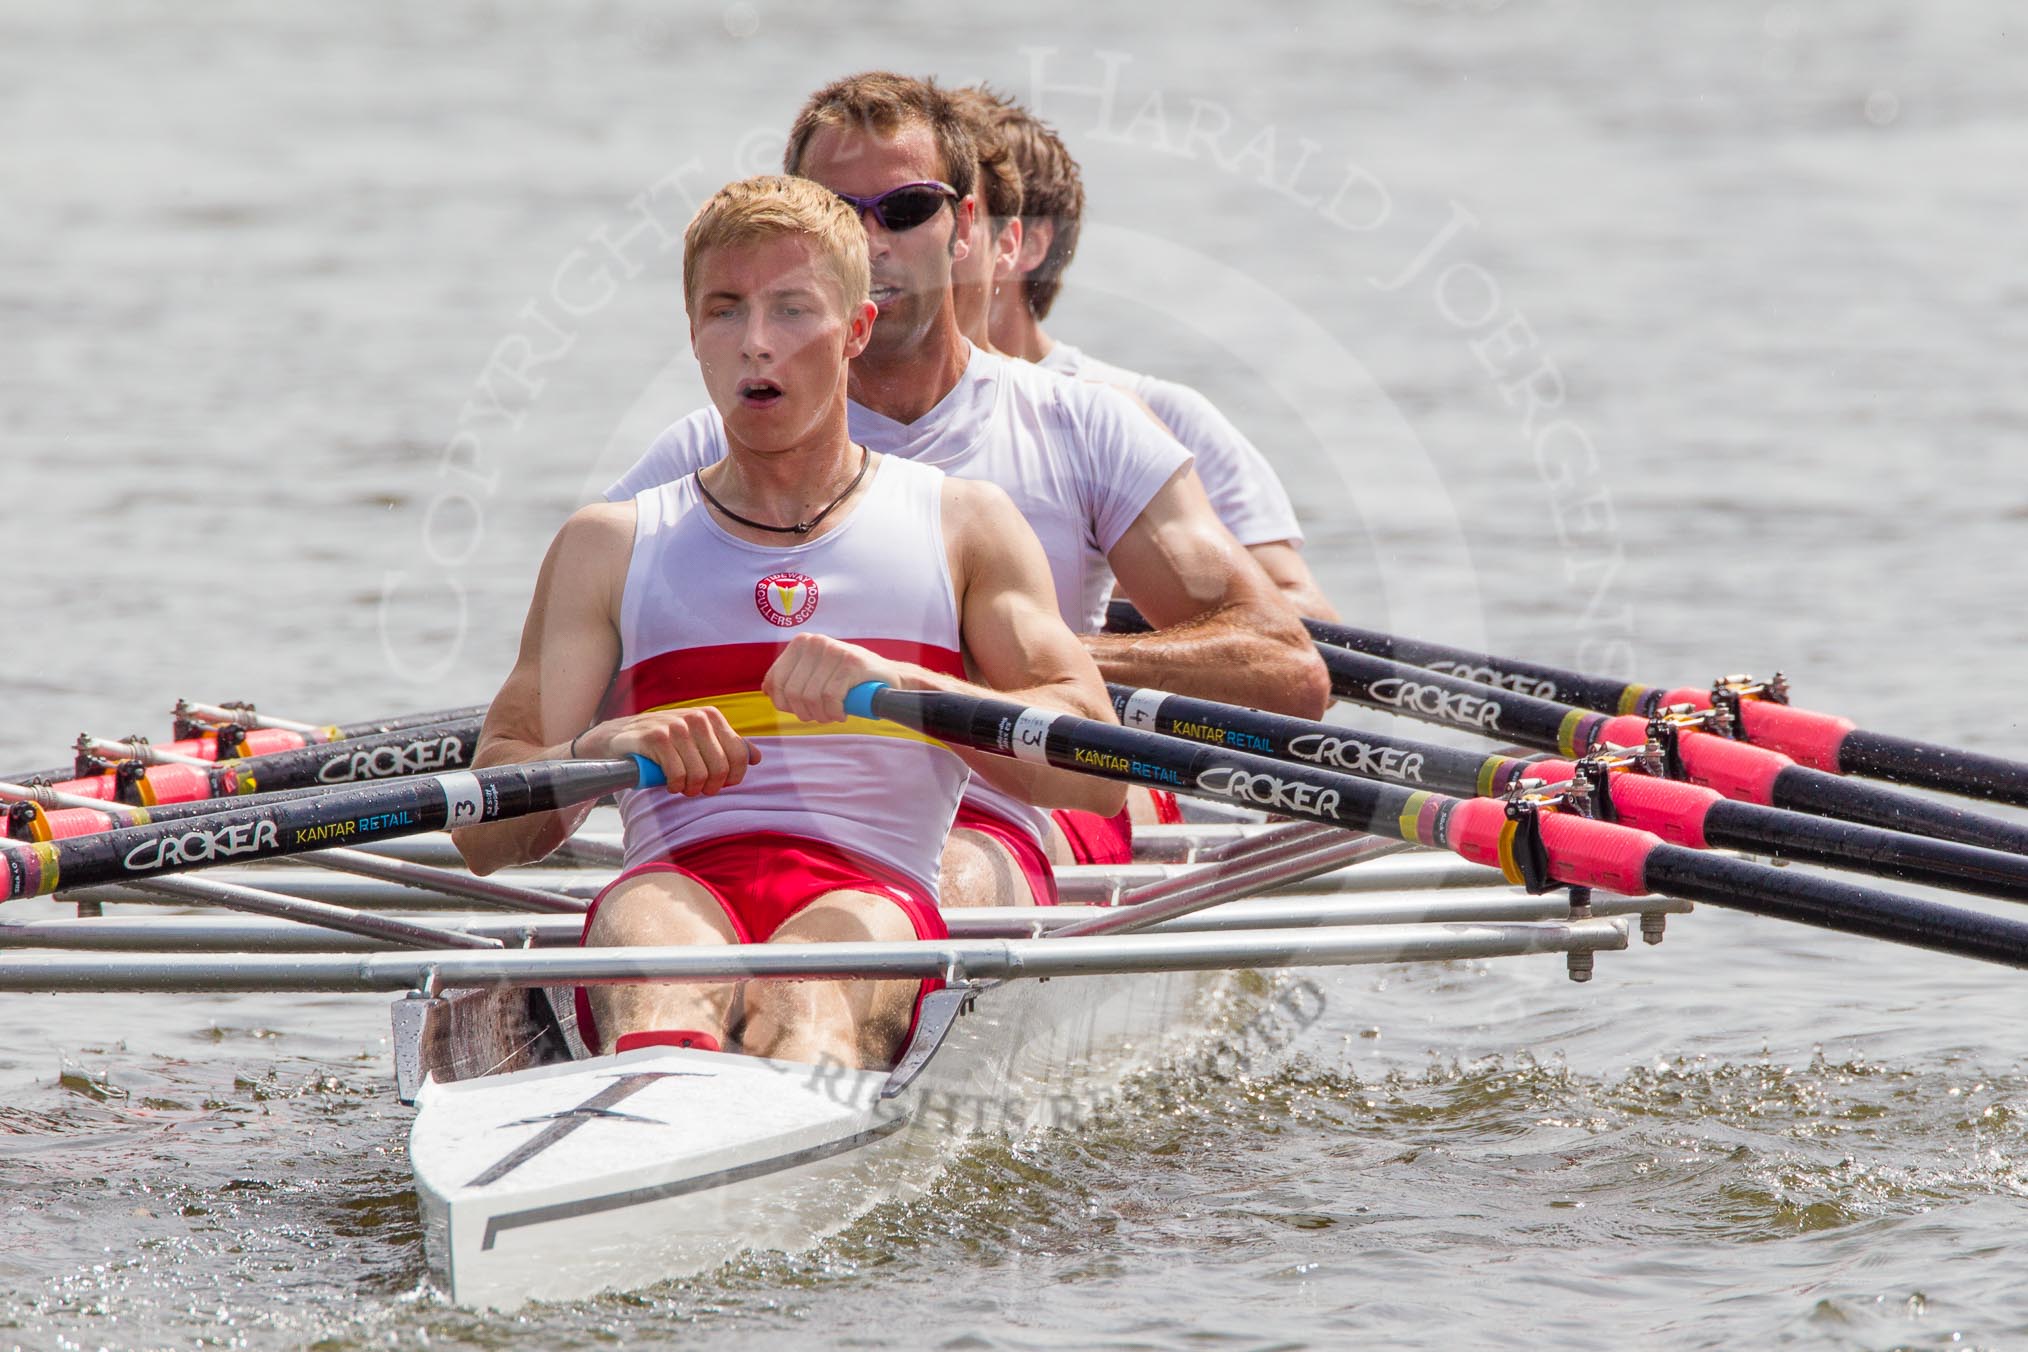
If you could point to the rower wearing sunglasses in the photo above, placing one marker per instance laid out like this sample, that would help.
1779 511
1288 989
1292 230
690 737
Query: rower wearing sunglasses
1110 494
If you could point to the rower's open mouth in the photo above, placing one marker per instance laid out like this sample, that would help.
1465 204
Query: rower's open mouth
882 294
759 393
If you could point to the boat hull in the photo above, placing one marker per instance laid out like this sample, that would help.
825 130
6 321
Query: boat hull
618 1172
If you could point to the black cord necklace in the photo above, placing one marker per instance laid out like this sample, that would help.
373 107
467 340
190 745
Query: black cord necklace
801 527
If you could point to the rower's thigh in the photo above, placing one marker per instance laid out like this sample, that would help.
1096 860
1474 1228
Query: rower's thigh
1056 845
662 906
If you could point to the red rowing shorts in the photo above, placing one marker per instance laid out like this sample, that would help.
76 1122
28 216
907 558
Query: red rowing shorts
1168 812
762 878
1028 855
1095 839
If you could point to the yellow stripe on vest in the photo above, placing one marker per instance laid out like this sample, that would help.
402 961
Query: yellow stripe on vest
753 714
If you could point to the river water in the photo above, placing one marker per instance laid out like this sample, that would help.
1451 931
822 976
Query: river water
1676 341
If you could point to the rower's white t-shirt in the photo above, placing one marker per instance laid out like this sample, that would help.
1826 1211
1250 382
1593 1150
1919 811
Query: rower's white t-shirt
1244 489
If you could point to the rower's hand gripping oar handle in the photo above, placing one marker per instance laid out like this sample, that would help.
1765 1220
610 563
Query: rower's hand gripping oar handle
651 773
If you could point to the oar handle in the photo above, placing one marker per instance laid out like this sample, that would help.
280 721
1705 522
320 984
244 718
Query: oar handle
651 773
1511 674
859 699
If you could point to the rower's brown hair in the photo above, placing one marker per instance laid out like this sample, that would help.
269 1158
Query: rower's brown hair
882 102
1052 189
772 205
999 173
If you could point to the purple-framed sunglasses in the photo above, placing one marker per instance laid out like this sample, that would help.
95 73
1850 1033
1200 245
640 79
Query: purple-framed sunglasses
905 207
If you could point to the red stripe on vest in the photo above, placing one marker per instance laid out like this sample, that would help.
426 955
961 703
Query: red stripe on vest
686 674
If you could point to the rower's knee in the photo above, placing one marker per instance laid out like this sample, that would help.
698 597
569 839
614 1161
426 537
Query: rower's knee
978 871
1141 809
662 909
858 1023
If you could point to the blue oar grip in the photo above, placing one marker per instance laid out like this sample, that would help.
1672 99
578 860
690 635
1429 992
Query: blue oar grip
651 773
859 699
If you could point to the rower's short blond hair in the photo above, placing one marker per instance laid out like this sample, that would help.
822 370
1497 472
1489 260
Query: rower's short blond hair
769 206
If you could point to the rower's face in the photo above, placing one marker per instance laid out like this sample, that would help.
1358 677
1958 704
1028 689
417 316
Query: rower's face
911 268
773 336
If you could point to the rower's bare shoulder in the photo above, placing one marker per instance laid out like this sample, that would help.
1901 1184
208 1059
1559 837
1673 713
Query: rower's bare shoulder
592 547
972 505
600 526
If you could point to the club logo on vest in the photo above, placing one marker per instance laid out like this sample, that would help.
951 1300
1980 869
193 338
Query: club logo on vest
786 599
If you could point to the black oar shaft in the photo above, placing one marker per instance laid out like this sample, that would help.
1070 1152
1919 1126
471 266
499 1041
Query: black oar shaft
1533 679
1734 768
1830 904
1929 766
1431 697
113 815
1398 760
1801 789
1879 851
1678 812
1579 851
428 748
1853 751
366 727
1818 740
1506 673
418 749
1112 752
353 816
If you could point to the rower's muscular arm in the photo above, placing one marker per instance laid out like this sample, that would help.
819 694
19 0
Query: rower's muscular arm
569 648
1284 565
566 659
1223 630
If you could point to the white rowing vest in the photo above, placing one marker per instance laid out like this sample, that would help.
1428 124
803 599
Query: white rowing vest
704 616
1079 460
